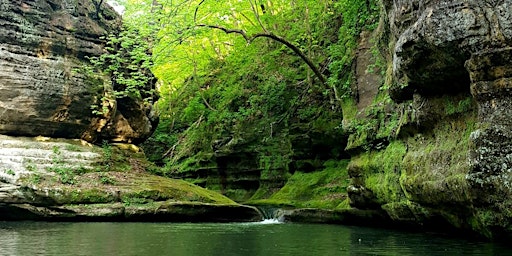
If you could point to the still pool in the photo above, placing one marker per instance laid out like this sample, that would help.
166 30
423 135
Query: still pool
246 239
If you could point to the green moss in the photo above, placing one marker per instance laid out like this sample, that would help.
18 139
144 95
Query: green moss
480 222
117 159
462 105
437 162
407 211
158 188
345 204
381 170
380 121
357 139
70 195
320 189
263 192
239 195
349 107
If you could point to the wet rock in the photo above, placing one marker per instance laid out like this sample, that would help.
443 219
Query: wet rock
167 211
345 216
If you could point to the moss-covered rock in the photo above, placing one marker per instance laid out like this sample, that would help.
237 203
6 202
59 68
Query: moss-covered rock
322 189
68 180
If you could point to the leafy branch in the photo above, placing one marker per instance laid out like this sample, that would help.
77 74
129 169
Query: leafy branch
265 34
127 62
291 46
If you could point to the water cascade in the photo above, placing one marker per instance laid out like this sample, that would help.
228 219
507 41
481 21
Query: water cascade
272 214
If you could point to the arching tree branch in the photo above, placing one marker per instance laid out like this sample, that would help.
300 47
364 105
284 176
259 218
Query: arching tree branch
250 38
296 50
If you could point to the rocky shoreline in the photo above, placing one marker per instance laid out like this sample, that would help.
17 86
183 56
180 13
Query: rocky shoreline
69 180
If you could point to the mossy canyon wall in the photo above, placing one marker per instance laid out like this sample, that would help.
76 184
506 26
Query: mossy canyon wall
437 152
422 138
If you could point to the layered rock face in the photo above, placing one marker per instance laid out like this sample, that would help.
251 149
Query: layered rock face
43 90
453 165
430 55
62 179
435 38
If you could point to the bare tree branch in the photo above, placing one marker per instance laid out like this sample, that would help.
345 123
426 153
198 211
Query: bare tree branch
197 9
247 18
228 31
257 15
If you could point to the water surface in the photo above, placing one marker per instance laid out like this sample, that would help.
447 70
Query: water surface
47 238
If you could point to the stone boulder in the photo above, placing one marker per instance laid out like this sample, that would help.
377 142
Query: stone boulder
43 91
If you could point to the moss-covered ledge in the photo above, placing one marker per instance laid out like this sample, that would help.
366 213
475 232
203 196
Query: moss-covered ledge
49 179
168 211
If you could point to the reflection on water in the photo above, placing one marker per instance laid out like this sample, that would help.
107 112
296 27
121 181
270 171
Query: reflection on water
43 238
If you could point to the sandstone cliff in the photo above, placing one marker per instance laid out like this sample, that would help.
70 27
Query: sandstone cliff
43 90
45 94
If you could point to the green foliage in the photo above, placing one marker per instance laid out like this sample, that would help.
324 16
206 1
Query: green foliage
62 169
108 153
35 178
459 107
357 16
29 165
128 200
127 62
220 94
116 158
107 180
159 144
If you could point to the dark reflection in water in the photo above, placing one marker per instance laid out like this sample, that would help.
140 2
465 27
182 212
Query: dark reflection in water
43 238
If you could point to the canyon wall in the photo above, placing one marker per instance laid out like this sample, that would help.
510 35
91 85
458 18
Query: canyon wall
44 90
447 160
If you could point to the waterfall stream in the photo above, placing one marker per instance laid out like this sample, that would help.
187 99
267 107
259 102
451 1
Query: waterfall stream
272 214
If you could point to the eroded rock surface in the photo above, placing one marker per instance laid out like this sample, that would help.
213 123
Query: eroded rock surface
454 163
435 38
43 89
48 179
491 154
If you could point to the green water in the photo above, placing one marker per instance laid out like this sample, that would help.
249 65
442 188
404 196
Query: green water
43 238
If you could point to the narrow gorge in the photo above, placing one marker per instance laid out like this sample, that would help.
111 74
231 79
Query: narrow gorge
403 122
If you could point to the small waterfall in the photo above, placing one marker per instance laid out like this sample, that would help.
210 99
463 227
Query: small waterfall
272 214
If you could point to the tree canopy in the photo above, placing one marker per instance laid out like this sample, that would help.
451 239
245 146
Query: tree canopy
224 88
